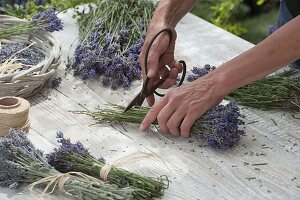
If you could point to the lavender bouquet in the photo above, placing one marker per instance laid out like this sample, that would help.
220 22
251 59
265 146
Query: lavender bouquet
74 157
22 163
46 20
280 91
112 36
218 127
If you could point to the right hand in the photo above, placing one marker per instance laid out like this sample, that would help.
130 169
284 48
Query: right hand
160 54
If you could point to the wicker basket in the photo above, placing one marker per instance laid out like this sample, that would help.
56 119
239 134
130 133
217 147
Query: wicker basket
25 83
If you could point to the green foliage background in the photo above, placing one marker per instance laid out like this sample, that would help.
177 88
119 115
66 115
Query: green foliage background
235 16
27 10
238 17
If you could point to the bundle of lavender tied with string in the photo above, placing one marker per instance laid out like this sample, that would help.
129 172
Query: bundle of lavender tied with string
46 20
219 127
22 163
75 157
111 38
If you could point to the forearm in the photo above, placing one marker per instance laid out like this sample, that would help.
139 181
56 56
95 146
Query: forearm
171 11
276 51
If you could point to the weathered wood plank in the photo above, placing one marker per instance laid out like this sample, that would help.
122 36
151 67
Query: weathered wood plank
195 171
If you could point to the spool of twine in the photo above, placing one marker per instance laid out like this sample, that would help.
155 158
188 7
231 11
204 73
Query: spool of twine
14 113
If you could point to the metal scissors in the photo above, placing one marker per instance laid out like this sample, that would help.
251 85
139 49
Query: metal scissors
145 92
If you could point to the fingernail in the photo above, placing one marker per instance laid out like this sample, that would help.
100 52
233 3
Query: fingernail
142 127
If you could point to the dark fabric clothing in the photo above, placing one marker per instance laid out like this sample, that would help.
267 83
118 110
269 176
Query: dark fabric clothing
285 16
293 6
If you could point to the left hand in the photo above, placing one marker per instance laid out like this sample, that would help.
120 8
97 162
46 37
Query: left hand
177 111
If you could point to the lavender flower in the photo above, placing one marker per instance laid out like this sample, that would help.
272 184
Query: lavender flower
118 67
58 157
198 72
22 163
55 82
47 20
11 171
39 2
75 157
219 127
21 2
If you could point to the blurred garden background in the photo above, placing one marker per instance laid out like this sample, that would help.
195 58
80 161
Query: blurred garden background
249 19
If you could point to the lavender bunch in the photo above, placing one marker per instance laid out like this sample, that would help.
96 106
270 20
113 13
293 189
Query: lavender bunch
74 157
22 163
114 61
277 92
46 20
218 127
112 36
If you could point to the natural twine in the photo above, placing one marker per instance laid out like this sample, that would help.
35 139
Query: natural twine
129 159
61 179
14 113
56 180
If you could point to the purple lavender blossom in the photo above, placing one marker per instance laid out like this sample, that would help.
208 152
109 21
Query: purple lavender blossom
118 66
20 2
39 2
59 158
219 127
47 20
63 157
11 171
55 82
198 72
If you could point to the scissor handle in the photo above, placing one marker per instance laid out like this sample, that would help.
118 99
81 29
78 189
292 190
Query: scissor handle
169 31
181 80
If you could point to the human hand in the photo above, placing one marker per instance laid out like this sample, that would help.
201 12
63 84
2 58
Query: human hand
177 111
160 54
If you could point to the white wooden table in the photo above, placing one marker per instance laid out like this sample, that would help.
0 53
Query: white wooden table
200 172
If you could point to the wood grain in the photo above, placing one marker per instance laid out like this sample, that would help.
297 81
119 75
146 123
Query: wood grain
195 171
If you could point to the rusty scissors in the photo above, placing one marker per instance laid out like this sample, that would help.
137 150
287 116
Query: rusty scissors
145 92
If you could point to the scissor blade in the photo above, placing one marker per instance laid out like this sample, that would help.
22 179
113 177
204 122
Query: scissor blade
137 101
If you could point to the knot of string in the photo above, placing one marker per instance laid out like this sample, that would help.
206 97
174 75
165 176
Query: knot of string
54 181
126 160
